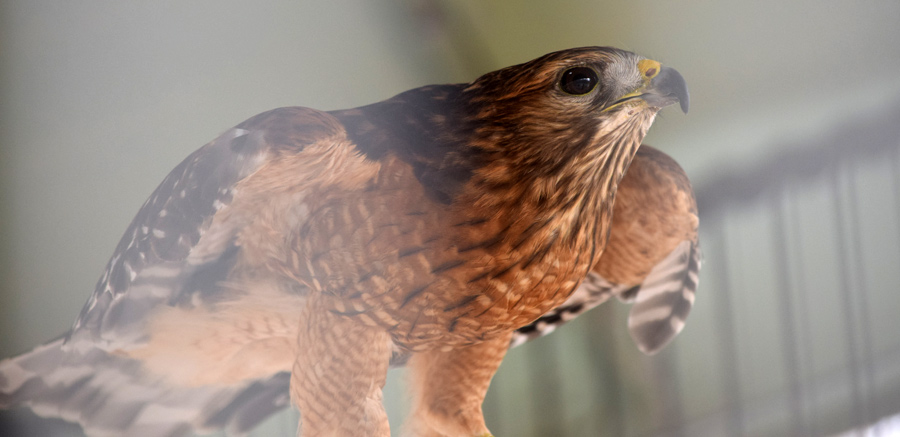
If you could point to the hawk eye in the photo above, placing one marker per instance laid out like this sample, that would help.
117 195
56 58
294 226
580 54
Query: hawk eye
579 80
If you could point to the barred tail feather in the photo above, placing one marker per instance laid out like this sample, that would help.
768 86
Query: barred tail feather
664 300
110 395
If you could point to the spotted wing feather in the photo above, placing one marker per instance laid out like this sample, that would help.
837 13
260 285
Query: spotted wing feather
175 254
157 256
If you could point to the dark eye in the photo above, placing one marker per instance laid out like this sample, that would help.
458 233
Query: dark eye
579 80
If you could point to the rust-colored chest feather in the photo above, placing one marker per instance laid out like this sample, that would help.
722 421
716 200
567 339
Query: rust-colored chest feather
435 274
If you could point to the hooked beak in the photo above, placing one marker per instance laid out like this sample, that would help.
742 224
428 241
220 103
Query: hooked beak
667 88
663 87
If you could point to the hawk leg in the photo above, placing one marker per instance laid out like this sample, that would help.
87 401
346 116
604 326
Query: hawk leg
338 376
449 388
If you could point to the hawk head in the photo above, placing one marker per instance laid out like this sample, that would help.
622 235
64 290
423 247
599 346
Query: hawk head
570 117
571 107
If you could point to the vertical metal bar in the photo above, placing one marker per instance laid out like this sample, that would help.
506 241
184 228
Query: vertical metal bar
895 174
665 369
803 321
546 399
789 343
727 339
858 408
861 293
609 392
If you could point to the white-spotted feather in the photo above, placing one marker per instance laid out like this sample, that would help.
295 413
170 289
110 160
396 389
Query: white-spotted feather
173 255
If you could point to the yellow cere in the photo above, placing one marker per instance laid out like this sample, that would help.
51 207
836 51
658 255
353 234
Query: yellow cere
649 68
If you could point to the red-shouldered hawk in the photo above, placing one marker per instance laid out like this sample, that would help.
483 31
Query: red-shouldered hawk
434 227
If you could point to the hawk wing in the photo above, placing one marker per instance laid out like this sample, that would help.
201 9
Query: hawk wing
173 252
175 259
652 257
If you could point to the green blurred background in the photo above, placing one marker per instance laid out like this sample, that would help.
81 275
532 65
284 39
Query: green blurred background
791 143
